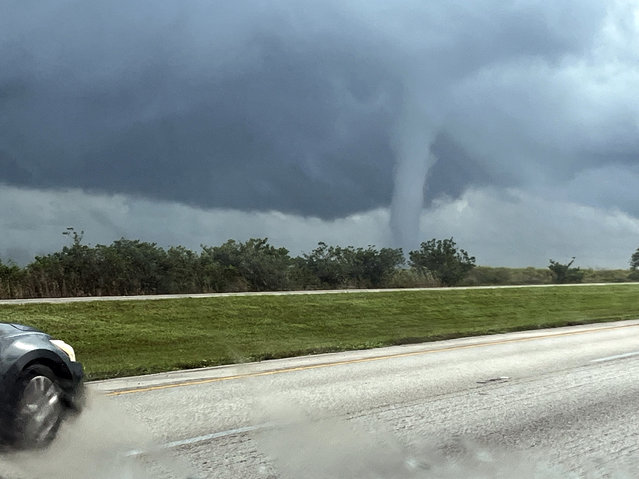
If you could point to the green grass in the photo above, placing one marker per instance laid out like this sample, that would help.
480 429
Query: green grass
135 337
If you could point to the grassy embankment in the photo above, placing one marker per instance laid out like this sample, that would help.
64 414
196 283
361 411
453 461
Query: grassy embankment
134 337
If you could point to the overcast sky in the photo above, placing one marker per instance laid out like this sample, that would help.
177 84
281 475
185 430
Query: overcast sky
512 126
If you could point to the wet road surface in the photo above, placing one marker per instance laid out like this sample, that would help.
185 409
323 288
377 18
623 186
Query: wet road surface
548 403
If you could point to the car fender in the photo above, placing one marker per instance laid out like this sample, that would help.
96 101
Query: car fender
44 355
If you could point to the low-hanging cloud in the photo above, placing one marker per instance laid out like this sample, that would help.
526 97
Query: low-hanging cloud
323 110
500 227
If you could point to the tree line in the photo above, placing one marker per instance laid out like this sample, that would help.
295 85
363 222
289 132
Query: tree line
134 267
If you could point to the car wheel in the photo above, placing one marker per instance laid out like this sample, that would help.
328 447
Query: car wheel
39 409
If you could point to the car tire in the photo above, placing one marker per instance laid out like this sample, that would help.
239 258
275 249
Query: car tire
37 408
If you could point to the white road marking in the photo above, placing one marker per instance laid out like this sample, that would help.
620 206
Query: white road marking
494 380
617 356
198 439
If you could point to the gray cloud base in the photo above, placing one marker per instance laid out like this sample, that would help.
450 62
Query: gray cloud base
303 107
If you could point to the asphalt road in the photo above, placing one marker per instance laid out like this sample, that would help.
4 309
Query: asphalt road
549 403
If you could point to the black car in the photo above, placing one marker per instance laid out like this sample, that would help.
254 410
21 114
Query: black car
40 385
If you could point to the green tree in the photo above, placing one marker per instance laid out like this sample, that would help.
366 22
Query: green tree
70 272
254 265
338 267
634 266
442 259
212 272
563 273
80 268
45 276
370 268
11 280
137 267
324 267
327 267
183 272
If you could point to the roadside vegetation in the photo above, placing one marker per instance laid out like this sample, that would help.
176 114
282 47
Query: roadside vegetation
491 276
119 338
134 267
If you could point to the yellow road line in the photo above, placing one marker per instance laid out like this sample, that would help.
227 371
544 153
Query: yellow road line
361 360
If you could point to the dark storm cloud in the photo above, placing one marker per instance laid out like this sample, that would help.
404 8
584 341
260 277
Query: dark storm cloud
164 106
292 106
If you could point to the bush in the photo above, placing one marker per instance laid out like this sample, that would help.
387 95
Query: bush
443 260
491 276
563 273
412 278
